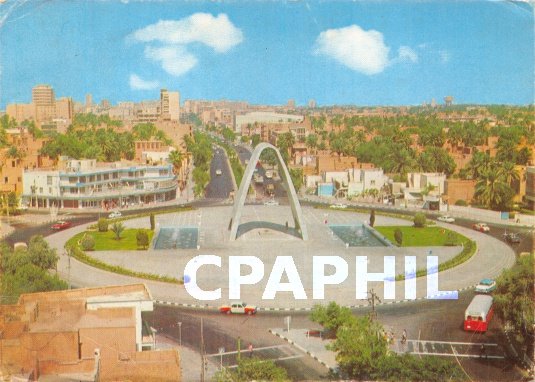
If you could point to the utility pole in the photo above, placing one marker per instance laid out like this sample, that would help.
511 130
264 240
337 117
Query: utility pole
371 300
203 357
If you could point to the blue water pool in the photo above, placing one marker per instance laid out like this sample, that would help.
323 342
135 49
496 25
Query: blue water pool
177 237
359 236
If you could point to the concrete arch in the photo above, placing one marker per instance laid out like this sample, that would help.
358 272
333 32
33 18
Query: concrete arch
239 200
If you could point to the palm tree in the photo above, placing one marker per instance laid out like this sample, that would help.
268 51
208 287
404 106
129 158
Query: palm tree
509 173
492 189
117 228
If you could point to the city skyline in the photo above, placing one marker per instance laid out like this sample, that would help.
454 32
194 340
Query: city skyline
340 53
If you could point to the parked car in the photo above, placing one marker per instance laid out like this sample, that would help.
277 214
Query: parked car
61 225
338 205
218 171
271 202
238 308
115 214
446 219
481 227
511 238
486 286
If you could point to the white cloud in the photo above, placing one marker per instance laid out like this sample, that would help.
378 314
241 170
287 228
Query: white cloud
359 50
216 32
137 83
175 60
407 54
445 56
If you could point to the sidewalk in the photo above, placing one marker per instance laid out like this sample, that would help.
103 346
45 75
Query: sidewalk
313 345
524 220
190 360
5 229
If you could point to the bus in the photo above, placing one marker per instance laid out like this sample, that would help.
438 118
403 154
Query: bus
478 314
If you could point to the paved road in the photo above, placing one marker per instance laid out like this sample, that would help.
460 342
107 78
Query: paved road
220 185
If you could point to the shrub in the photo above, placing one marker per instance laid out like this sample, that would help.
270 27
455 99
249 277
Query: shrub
152 222
117 228
142 238
451 239
461 203
372 218
419 220
398 236
88 243
102 225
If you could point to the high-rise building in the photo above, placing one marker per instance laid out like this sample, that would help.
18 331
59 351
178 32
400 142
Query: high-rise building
88 101
43 95
291 104
170 105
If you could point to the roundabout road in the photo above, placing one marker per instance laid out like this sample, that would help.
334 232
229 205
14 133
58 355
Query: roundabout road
491 258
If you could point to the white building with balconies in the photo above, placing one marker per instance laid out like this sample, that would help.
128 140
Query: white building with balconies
86 184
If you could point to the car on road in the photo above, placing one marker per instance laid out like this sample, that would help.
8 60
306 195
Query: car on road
481 227
61 225
218 172
486 286
338 205
115 214
446 219
238 308
271 202
511 238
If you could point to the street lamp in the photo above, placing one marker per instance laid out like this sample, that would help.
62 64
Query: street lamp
179 334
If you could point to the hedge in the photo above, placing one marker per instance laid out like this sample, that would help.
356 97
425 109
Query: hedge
81 256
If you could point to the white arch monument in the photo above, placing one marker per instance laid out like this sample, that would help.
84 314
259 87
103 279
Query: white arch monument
239 200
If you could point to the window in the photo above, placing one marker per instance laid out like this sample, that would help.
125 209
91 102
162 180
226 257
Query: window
13 163
48 180
6 179
49 190
40 190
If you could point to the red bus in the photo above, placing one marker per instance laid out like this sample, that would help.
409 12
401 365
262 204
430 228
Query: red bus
478 314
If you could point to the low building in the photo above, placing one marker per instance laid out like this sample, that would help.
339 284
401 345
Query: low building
84 334
459 189
86 184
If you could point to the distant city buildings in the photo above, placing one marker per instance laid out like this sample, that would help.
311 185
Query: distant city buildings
312 104
47 112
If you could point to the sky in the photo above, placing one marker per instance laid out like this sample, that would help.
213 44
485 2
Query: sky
363 53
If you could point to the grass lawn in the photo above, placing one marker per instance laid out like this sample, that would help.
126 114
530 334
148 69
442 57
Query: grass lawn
105 241
420 237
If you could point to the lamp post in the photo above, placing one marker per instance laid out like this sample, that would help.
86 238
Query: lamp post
179 333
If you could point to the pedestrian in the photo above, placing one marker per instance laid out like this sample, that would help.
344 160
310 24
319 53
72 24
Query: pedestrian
250 347
482 351
404 337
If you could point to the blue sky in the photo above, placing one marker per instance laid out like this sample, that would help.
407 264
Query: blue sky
336 52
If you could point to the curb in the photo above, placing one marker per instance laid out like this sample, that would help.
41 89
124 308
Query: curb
305 309
291 342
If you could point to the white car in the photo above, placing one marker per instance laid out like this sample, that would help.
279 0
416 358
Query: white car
481 227
115 214
338 205
271 203
218 172
446 219
486 286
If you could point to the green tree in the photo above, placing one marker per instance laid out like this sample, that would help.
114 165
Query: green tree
142 239
255 140
102 225
297 178
514 299
252 369
88 243
331 317
285 143
492 190
419 220
117 228
152 221
398 236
